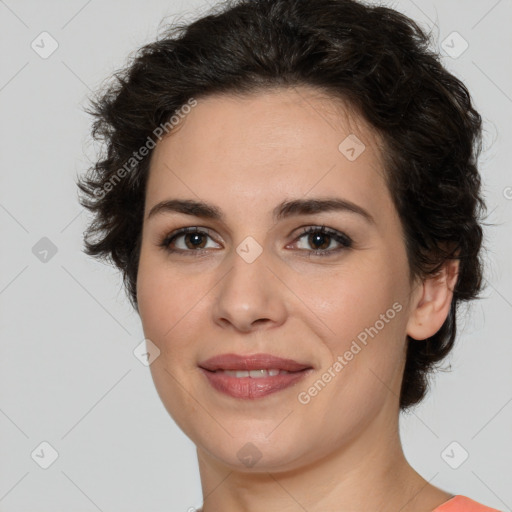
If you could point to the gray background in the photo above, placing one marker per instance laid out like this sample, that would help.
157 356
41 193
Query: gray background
67 369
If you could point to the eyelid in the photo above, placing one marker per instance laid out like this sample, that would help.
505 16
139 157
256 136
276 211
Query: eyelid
326 230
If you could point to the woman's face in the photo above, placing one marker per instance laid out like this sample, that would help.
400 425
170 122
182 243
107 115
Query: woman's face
251 282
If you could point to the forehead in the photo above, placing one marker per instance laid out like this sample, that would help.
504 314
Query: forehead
259 146
266 117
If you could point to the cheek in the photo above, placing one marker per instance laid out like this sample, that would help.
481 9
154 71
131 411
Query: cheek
365 312
354 300
168 309
163 303
171 304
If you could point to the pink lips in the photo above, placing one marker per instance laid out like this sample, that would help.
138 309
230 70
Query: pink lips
252 387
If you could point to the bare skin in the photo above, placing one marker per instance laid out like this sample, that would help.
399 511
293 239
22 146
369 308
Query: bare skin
339 449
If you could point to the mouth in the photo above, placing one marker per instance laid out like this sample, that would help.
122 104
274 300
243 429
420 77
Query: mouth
254 376
254 362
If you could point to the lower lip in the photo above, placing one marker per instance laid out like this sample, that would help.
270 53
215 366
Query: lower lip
250 388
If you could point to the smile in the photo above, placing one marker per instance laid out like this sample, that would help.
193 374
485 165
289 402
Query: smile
253 374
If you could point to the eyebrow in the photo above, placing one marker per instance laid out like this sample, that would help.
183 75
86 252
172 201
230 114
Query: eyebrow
283 210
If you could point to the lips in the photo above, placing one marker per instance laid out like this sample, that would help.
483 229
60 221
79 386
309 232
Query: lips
252 362
254 376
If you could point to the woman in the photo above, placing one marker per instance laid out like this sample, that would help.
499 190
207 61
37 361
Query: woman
291 191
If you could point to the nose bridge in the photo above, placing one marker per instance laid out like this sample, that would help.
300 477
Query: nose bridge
248 279
249 292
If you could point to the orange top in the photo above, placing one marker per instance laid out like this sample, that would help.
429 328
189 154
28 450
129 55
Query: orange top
460 503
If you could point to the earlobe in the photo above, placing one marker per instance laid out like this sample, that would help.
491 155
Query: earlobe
433 302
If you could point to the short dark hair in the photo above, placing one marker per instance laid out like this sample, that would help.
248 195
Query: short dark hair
374 57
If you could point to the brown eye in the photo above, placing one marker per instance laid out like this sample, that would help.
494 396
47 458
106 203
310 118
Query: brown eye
186 240
321 238
194 240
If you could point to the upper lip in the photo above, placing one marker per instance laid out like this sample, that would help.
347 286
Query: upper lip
252 362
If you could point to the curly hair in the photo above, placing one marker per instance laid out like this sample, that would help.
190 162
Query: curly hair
374 57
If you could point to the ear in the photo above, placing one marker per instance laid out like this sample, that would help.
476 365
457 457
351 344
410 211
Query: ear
432 302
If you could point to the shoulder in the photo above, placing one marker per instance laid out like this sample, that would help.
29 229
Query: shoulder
461 503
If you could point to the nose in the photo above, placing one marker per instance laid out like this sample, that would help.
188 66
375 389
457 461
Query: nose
250 296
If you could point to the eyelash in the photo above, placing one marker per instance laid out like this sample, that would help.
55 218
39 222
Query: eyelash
341 238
